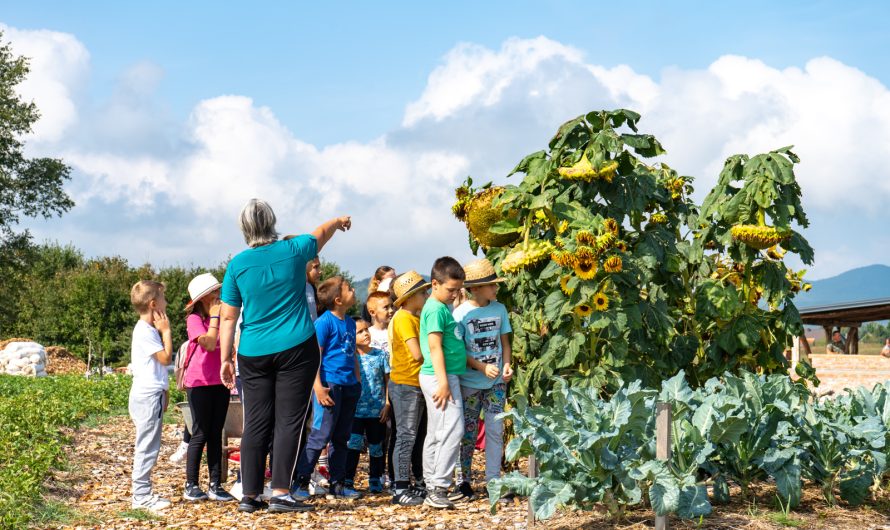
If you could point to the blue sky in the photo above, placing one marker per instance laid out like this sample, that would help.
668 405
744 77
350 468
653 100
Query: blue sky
333 84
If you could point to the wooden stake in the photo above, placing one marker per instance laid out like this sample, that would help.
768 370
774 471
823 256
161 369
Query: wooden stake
662 447
532 473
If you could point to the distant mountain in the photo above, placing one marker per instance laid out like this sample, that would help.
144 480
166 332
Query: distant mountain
865 283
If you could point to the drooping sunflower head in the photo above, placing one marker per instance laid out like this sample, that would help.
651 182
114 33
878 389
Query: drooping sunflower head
583 310
585 269
759 236
524 258
621 245
611 225
675 186
564 285
600 301
582 170
775 252
607 172
658 218
612 264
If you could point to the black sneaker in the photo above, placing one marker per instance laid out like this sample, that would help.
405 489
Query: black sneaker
193 493
407 497
286 503
419 490
250 505
437 497
463 493
217 493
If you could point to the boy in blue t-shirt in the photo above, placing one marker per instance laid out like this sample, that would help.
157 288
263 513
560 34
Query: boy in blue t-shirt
371 412
484 324
337 389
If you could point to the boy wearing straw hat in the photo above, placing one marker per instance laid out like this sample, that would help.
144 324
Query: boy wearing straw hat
404 389
484 325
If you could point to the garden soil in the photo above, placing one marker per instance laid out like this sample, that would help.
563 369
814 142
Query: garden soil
97 489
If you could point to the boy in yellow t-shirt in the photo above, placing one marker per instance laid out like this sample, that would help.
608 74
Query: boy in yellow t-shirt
404 388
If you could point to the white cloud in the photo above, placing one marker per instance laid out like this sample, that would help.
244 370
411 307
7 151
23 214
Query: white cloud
480 112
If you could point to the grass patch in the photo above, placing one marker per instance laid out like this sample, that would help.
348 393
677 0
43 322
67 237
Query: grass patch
139 515
56 513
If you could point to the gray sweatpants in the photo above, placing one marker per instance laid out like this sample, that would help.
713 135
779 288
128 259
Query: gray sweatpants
147 413
407 406
445 428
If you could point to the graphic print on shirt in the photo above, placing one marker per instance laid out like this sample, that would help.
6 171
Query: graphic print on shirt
484 349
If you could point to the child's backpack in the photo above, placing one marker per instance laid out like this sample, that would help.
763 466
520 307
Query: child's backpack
183 358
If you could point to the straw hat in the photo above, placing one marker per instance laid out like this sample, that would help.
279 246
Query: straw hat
407 285
480 272
200 286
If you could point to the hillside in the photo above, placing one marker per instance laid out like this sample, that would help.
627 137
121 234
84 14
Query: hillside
864 283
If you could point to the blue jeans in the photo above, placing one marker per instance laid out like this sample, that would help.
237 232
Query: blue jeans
335 429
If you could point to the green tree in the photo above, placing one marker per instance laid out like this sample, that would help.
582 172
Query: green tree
29 187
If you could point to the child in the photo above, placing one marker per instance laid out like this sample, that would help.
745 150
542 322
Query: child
485 326
381 310
444 360
404 389
152 351
371 412
337 389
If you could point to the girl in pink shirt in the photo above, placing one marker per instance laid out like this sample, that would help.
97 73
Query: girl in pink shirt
208 397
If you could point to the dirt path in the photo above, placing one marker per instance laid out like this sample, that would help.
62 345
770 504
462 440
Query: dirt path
97 488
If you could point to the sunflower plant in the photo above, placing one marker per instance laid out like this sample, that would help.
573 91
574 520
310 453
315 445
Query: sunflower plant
615 274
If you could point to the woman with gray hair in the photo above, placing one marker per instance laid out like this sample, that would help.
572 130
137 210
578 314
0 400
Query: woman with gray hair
278 354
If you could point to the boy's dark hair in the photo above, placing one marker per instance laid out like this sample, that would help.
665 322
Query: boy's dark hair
447 268
329 290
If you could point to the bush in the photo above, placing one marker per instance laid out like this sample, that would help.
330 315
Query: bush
32 411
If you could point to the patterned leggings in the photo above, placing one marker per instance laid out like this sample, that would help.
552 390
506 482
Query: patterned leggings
492 402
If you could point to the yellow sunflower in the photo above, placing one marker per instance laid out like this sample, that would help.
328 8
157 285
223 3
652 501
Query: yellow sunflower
585 269
612 264
775 252
563 226
583 310
564 285
600 301
585 253
621 245
605 241
585 237
607 172
564 259
611 225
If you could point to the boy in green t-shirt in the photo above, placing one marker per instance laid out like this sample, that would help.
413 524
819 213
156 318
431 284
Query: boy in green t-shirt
444 360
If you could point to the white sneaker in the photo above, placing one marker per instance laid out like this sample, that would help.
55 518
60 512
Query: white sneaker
316 489
319 480
180 453
152 503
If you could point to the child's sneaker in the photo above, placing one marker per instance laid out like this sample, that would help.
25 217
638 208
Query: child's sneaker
286 503
375 485
152 503
193 493
250 505
180 453
341 491
463 493
217 493
437 497
322 480
300 492
407 497
316 489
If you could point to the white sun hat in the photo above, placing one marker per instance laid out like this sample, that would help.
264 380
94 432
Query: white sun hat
200 286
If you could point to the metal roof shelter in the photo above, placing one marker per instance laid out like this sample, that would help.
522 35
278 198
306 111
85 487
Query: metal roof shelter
846 315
